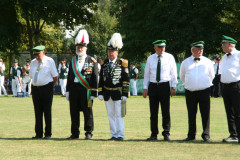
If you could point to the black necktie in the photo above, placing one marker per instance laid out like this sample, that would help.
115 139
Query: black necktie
217 69
196 59
158 69
229 54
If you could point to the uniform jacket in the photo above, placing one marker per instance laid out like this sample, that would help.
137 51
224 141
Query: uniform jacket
117 77
90 73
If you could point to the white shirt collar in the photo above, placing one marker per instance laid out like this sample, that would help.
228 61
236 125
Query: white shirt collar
113 60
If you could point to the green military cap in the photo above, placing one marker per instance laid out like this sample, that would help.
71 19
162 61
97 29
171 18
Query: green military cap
228 39
27 60
159 43
37 50
132 63
199 44
15 61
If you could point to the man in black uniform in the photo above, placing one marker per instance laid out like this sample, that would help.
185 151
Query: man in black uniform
81 87
114 86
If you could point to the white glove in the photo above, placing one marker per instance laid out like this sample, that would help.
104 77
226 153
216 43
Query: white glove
92 97
67 96
124 98
100 97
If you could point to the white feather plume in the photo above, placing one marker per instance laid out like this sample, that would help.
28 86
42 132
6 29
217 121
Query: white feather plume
82 37
116 41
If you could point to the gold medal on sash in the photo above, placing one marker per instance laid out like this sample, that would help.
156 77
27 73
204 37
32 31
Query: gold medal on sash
197 61
39 68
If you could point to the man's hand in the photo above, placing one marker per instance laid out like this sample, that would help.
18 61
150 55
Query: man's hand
67 96
144 93
173 91
124 98
100 97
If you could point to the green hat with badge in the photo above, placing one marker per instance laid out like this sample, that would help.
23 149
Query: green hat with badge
15 61
159 43
228 40
199 44
37 50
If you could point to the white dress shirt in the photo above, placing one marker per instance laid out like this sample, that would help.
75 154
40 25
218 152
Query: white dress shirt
46 73
168 70
197 76
81 62
230 67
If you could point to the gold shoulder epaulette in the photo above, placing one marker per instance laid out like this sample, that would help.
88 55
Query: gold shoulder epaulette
94 60
124 62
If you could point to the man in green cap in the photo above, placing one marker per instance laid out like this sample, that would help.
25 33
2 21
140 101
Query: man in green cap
44 76
230 77
63 72
160 78
197 73
133 78
15 71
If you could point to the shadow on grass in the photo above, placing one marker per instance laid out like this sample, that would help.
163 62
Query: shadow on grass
126 140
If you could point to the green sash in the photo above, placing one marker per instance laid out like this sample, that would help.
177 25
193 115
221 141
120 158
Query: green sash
81 79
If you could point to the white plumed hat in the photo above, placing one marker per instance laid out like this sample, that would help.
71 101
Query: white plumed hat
115 42
82 38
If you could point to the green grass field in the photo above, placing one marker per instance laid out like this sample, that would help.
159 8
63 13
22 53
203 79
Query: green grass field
17 128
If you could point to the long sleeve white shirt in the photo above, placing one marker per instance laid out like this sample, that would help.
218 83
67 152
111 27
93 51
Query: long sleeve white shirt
168 70
230 67
197 76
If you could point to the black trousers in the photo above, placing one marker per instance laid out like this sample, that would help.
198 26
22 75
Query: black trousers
231 98
78 102
42 100
159 93
203 99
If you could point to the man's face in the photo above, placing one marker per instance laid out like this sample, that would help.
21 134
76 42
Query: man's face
63 63
131 66
1 60
112 54
15 64
159 50
197 52
27 64
81 50
226 47
40 56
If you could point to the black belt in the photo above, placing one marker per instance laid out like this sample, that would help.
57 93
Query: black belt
231 84
160 83
50 83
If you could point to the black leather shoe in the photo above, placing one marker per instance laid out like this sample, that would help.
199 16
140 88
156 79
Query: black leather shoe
189 139
88 136
152 138
231 139
166 138
72 137
119 139
112 139
206 139
37 137
47 137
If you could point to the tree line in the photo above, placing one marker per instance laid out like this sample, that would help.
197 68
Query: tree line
27 23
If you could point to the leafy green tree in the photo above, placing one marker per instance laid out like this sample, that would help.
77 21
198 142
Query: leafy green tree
180 22
103 24
38 13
